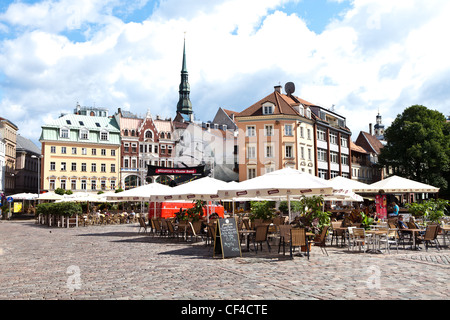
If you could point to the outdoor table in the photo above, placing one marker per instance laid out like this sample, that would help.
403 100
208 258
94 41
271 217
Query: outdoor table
413 231
445 230
345 229
247 234
375 243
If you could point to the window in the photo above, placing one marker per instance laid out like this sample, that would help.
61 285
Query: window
163 149
74 166
93 185
251 152
302 152
83 185
270 168
251 131
251 173
321 155
113 184
52 184
63 166
103 152
321 135
288 130
169 150
103 167
103 185
344 142
308 131
148 134
333 138
334 157
268 130
126 147
126 162
289 152
269 151
63 150
133 147
113 153
52 166
94 152
53 149
162 135
344 159
83 167
73 184
63 184
74 150
113 168
64 133
267 109
323 174
334 174
84 134
301 132
309 154
84 151
104 136
93 167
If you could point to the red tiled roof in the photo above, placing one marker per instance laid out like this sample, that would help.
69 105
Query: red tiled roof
357 148
369 142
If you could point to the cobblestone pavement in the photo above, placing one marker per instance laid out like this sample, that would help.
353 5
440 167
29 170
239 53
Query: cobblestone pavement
115 262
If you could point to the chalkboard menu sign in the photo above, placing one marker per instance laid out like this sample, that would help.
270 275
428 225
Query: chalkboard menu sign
227 239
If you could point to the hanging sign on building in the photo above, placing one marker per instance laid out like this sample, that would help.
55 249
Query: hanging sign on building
157 171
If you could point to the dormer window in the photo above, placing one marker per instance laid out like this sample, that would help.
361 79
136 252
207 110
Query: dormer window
84 134
268 108
64 132
104 135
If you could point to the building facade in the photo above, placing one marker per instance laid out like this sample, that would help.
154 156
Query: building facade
332 144
81 152
9 134
270 137
27 166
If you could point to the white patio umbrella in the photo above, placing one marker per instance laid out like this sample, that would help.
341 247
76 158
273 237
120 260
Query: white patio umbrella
24 196
285 182
50 196
139 193
348 184
200 189
396 184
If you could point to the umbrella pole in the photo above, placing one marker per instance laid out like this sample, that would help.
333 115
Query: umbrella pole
289 207
154 209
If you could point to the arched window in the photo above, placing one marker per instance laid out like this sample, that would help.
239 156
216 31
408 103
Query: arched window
125 132
168 135
148 134
162 135
132 133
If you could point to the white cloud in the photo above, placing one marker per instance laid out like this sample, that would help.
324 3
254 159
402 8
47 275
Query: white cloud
380 55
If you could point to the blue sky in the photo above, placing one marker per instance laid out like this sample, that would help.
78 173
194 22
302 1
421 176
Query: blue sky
360 56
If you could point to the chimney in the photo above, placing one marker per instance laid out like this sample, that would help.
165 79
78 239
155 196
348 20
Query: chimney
370 128
278 88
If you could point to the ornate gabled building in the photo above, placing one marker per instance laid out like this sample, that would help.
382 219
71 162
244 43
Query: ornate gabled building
8 131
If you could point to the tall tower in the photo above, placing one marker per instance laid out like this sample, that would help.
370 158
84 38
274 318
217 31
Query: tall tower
184 105
379 128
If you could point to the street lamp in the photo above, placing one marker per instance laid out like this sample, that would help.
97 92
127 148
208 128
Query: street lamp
39 171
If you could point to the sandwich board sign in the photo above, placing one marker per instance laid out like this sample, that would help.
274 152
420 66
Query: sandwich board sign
227 241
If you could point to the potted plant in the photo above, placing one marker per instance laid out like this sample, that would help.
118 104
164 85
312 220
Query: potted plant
261 210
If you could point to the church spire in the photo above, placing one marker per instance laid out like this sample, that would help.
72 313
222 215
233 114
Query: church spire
184 105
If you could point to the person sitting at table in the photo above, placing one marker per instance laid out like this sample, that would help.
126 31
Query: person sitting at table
395 209
401 224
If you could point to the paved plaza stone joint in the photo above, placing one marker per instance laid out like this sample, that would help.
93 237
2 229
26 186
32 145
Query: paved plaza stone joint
115 262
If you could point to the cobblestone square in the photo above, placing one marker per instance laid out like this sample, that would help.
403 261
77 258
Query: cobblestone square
116 262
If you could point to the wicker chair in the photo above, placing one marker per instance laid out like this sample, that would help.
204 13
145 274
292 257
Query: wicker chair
337 233
285 236
262 231
359 238
298 239
430 236
320 241
142 225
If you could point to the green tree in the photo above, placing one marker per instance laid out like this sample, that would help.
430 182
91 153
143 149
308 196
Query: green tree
418 147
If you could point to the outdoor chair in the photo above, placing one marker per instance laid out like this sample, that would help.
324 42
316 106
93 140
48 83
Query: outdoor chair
285 236
246 224
350 238
211 233
337 233
260 236
360 238
156 226
195 230
142 225
320 241
170 229
389 238
430 236
298 239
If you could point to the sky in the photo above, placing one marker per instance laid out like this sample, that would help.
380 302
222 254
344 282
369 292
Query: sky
358 57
